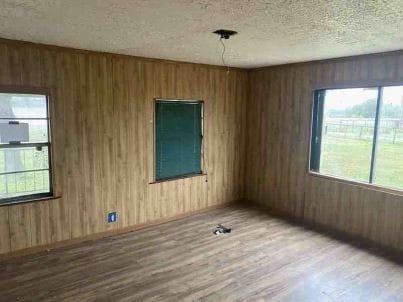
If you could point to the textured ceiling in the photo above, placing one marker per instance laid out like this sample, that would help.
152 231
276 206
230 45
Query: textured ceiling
270 32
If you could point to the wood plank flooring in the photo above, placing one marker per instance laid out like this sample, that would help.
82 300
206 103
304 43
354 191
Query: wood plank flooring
265 258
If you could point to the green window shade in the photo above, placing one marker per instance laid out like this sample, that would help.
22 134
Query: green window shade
178 139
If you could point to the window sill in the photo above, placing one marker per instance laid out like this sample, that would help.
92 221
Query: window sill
16 202
373 187
177 178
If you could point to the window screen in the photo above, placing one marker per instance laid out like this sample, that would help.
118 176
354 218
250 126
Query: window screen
24 147
178 138
357 134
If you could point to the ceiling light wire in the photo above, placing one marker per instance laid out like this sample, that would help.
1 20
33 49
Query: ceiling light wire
222 54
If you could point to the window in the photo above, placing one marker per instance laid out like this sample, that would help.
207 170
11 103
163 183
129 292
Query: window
178 138
357 134
25 169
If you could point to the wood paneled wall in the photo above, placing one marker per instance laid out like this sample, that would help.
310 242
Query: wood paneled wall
278 136
257 128
102 125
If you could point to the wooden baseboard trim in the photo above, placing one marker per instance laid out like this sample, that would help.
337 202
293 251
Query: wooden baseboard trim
97 236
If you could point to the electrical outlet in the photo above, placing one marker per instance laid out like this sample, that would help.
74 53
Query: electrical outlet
112 217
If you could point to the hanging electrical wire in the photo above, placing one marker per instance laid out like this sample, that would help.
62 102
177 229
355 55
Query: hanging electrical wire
222 55
224 34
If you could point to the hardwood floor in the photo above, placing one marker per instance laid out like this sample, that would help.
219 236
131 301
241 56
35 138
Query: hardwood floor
264 258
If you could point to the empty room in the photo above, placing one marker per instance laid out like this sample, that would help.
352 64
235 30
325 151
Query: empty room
201 150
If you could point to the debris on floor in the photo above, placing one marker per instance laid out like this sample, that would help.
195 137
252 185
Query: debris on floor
220 229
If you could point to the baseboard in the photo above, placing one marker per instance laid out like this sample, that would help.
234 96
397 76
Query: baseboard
97 236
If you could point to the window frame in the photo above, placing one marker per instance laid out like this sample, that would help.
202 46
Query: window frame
37 196
313 136
202 153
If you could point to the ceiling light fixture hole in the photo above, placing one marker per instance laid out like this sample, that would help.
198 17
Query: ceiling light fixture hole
225 33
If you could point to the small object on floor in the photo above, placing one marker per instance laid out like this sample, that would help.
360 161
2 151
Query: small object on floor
221 230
